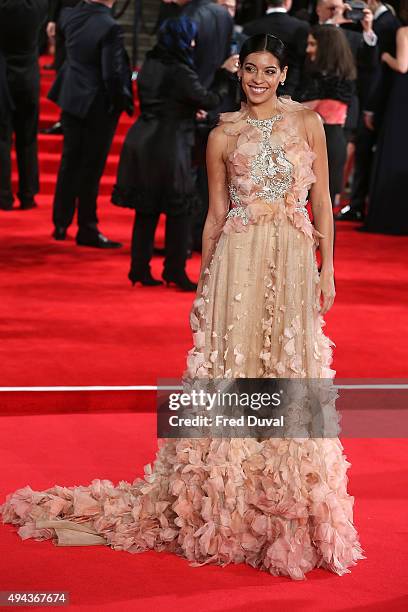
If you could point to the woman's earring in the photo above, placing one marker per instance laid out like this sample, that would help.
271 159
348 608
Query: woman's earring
282 82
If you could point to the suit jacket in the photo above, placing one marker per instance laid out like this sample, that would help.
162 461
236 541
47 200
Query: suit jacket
215 27
20 25
385 26
96 61
366 59
250 9
291 31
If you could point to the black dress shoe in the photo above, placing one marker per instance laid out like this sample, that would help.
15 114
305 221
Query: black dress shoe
145 279
28 204
181 281
349 214
59 233
96 240
54 130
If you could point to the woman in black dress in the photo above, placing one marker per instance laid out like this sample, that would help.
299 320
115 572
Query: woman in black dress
155 170
388 198
327 87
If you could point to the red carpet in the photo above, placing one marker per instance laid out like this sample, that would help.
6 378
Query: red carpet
74 449
68 316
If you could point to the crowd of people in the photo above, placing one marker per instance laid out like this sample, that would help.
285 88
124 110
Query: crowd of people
347 62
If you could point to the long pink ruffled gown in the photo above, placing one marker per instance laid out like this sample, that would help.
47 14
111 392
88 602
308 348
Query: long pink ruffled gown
277 504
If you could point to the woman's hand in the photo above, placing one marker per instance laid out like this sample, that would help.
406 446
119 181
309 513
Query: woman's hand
385 57
231 64
326 291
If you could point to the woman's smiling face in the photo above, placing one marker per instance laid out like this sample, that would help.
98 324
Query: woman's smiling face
261 75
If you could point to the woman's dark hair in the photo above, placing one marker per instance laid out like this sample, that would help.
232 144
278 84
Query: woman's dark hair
403 11
333 56
264 42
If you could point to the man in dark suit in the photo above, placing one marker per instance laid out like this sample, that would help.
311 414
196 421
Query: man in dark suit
291 31
92 88
385 25
20 25
213 37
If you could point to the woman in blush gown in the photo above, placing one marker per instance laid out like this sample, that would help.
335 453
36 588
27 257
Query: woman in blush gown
278 504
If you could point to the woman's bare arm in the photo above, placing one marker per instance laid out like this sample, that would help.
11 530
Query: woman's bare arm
400 62
322 206
218 193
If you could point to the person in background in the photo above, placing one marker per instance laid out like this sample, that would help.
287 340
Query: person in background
53 32
363 44
92 88
291 31
248 10
155 174
213 47
327 88
20 25
55 36
169 9
238 37
214 31
385 25
232 101
387 201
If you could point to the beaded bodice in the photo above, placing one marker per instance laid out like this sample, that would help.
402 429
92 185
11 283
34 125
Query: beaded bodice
270 170
263 165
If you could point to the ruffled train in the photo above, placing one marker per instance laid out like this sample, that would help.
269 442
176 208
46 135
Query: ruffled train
277 505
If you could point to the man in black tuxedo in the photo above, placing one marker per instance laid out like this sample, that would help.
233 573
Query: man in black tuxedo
20 25
385 25
92 88
291 31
